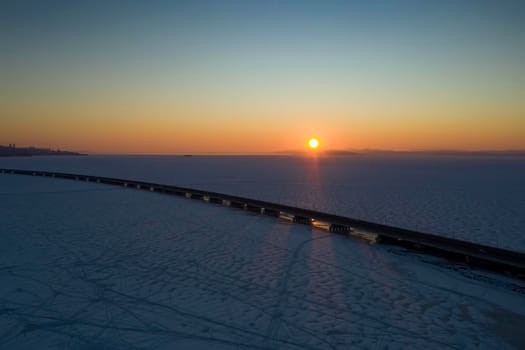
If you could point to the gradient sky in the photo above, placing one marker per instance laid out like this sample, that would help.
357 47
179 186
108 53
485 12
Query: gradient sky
261 76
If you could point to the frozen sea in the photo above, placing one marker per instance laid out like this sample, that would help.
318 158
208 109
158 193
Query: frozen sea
480 199
90 266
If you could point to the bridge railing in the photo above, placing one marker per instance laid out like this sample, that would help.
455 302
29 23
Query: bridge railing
468 252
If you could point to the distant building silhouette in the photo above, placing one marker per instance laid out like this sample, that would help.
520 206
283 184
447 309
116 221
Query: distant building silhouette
11 151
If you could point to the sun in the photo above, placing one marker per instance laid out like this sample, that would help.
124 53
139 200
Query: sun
313 143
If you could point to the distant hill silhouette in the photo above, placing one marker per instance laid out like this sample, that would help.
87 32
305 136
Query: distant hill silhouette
13 151
445 152
383 152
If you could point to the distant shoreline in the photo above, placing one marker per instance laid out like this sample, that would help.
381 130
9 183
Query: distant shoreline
13 151
330 153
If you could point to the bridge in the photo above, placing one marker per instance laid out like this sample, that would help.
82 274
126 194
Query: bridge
459 251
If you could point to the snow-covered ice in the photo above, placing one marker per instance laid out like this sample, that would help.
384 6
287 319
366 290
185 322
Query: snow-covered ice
90 266
479 199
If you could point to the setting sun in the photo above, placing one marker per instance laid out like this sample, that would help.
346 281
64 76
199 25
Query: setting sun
313 143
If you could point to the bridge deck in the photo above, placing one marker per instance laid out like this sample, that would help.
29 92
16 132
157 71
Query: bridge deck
496 259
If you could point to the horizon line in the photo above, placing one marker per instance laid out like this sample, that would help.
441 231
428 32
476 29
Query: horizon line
348 151
325 152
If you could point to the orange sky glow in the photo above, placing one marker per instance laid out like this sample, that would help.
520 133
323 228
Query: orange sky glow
194 79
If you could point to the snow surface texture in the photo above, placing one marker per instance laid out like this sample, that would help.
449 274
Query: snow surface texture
476 199
90 266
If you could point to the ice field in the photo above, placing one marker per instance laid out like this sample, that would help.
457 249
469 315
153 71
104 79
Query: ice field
90 266
479 199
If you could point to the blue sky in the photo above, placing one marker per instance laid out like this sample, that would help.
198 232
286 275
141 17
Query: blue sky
355 64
